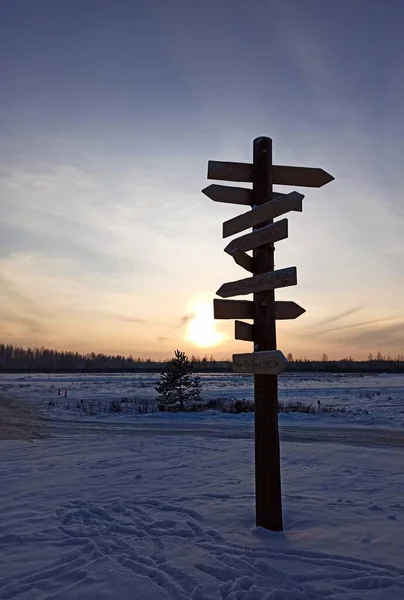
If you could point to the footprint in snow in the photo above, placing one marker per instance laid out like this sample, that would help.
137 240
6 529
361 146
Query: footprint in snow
375 508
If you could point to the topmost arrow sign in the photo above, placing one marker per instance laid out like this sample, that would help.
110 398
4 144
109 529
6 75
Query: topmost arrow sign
281 175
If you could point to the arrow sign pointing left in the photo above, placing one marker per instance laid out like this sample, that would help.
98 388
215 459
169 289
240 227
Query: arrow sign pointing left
266 235
259 283
232 195
243 260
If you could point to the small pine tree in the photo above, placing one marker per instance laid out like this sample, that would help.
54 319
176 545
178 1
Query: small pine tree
176 387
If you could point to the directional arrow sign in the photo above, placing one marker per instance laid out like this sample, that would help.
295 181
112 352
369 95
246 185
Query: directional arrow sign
243 331
229 171
232 195
243 260
267 362
233 309
288 310
259 283
301 176
269 210
244 309
281 175
271 233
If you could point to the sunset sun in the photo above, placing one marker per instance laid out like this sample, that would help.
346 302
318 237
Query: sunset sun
201 330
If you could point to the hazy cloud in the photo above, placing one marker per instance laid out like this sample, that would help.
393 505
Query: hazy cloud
341 315
376 338
132 320
184 320
354 325
18 310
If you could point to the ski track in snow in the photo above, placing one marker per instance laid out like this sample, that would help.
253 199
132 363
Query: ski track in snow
157 518
134 537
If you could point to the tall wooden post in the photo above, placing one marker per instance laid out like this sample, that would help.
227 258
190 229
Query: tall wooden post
268 496
266 362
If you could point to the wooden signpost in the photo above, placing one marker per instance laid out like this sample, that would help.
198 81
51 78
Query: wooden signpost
266 362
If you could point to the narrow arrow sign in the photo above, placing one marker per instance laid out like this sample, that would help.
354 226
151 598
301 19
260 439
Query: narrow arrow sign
259 283
288 310
281 174
233 309
243 331
244 309
267 362
271 233
269 210
231 195
243 260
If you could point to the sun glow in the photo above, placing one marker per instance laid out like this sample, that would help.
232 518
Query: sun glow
201 330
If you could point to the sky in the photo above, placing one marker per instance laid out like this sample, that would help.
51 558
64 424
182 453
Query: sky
109 113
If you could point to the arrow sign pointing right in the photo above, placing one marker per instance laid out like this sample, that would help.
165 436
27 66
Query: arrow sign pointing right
281 175
244 309
288 310
268 362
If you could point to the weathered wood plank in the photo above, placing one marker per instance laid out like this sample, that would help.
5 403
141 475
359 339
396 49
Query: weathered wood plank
243 331
269 210
267 362
288 310
281 174
233 309
232 195
259 283
244 309
225 193
229 171
243 260
266 235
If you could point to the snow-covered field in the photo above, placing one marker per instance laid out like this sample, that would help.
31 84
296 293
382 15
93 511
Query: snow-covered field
367 399
154 517
162 506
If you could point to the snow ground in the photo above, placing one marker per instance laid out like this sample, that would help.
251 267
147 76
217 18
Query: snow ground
369 400
160 506
157 517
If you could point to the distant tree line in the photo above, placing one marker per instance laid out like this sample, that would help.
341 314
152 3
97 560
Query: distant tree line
378 357
44 359
17 358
